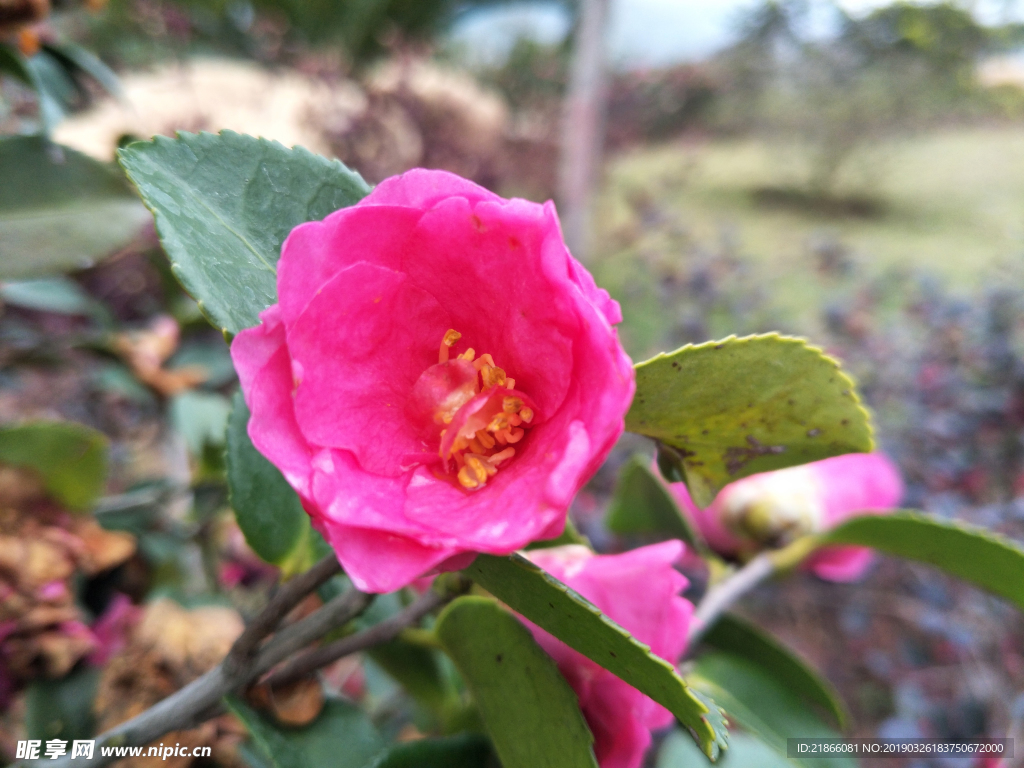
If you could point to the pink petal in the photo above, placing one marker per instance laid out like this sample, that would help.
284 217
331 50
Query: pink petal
858 482
840 564
360 345
265 371
482 264
422 189
639 590
707 521
621 737
316 251
381 562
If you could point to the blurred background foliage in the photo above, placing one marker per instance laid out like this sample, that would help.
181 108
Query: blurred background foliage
863 186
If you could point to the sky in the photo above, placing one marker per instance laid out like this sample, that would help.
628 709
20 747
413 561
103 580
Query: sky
652 32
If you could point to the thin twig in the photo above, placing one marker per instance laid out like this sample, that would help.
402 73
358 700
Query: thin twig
201 697
721 596
287 597
379 633
294 637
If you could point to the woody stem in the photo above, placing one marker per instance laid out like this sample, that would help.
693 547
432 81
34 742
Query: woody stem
720 597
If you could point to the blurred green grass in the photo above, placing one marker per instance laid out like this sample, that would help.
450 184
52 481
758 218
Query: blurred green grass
948 203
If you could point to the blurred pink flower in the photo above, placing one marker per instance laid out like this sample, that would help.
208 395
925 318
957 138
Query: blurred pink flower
773 508
438 378
640 591
112 628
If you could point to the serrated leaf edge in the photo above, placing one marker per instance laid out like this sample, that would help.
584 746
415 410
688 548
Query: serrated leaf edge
709 735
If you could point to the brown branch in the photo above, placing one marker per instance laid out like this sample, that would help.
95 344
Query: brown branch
379 633
721 596
200 699
288 596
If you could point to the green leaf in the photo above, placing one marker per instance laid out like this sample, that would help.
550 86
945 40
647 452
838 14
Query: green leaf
267 508
732 408
60 210
49 294
642 504
54 88
70 458
419 672
224 205
737 636
551 605
529 709
755 700
75 58
973 554
62 708
745 751
569 535
342 736
13 63
466 750
201 418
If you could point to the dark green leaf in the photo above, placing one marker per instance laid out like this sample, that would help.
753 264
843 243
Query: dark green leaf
973 554
62 708
267 508
13 63
569 535
60 210
551 605
754 699
529 709
745 751
419 672
341 737
75 58
642 504
70 458
737 636
55 88
467 750
732 408
224 205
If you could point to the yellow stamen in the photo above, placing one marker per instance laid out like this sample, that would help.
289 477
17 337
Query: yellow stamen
498 423
474 474
450 337
477 455
492 376
511 405
500 456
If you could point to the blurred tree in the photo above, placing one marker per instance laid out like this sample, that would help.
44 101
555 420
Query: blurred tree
132 30
943 37
899 68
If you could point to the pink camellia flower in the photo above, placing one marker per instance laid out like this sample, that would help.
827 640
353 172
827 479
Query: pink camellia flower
438 378
640 591
773 508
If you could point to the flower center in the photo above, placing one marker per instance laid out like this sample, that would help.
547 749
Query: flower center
472 408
